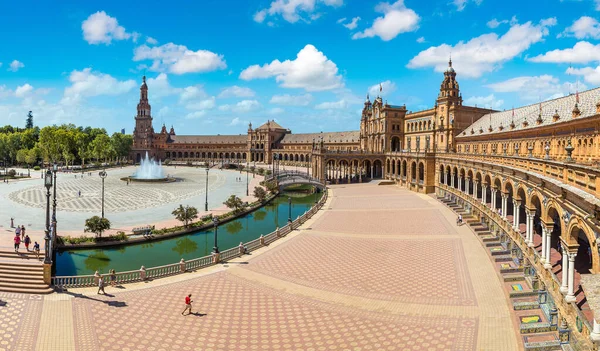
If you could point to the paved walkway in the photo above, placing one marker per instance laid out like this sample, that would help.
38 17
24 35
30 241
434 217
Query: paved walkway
381 268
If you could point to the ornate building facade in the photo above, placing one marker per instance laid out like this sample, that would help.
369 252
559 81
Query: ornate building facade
531 175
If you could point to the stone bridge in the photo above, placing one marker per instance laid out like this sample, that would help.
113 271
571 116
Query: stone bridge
287 178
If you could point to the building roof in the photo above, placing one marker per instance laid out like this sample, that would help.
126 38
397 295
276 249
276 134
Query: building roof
209 139
562 106
270 124
333 137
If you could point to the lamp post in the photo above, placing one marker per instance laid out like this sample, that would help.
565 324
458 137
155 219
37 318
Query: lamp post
254 172
102 175
54 170
206 192
48 185
216 225
290 209
247 193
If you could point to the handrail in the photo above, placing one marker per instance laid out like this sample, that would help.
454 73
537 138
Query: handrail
143 274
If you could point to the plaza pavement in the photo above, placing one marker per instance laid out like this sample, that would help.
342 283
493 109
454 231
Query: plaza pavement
379 268
127 206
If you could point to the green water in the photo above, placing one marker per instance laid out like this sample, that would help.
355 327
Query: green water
198 244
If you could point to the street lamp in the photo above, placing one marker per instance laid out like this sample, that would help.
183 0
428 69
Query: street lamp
254 172
290 209
54 170
216 224
206 192
247 179
48 185
102 175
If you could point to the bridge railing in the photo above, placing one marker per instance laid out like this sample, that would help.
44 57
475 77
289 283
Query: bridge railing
144 274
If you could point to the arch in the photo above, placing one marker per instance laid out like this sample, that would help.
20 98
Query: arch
185 154
395 144
441 175
403 170
413 171
378 168
421 176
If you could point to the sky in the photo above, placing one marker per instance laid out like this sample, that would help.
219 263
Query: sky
213 66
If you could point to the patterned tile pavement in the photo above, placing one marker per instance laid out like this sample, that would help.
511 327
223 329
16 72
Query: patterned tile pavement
435 266
344 289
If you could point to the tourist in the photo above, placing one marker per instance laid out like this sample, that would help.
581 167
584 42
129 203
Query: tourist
17 241
22 232
18 230
459 220
113 278
36 249
27 241
79 193
12 222
101 285
188 304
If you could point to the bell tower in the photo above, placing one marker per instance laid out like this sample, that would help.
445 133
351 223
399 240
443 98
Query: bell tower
143 133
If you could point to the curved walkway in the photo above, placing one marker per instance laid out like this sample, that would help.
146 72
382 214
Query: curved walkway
381 268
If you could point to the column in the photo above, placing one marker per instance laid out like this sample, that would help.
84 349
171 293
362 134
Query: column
548 264
544 246
467 182
460 183
570 291
452 180
503 205
564 287
595 334
446 178
516 216
530 226
475 189
493 196
483 194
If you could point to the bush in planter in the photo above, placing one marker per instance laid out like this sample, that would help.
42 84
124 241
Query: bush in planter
12 173
36 168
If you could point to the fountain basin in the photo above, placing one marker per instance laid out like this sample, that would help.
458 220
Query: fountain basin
150 180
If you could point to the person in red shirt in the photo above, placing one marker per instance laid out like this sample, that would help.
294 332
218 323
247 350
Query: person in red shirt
188 304
17 242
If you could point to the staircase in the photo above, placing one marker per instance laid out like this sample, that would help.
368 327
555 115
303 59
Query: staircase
537 330
22 272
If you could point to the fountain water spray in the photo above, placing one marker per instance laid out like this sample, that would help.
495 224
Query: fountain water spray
149 169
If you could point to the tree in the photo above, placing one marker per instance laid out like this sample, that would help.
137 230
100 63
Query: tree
234 203
29 121
272 187
96 225
185 214
101 146
260 194
261 171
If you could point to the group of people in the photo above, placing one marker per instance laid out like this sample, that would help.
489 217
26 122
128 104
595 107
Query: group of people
238 179
113 281
20 236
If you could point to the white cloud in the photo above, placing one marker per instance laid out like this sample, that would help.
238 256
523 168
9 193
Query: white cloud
160 86
387 87
206 104
350 25
484 53
590 74
291 100
461 4
582 52
243 106
532 88
485 101
151 41
397 19
583 28
178 59
86 83
336 105
195 114
164 111
294 10
311 70
236 91
191 92
237 121
421 40
100 28
23 90
15 65
597 5
276 111
494 23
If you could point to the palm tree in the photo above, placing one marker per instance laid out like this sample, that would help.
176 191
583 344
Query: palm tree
185 214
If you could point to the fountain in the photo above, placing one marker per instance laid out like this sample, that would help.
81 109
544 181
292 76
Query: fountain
149 171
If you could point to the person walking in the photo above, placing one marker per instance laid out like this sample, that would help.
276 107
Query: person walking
22 232
18 230
79 193
188 304
27 241
101 285
113 278
36 249
17 241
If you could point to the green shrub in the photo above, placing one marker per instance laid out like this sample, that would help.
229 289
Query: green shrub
12 173
36 168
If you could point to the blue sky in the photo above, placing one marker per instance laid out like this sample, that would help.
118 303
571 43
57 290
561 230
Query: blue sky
213 66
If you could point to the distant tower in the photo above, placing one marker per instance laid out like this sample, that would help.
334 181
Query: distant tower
143 132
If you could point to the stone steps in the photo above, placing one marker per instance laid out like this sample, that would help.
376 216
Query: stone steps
23 276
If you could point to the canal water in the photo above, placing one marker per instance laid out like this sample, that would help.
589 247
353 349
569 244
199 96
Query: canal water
195 245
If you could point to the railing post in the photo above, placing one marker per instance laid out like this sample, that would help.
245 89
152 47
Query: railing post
143 273
182 265
216 257
96 277
262 240
277 232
